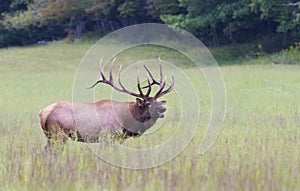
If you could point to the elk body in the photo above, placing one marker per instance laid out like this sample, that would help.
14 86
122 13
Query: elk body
86 122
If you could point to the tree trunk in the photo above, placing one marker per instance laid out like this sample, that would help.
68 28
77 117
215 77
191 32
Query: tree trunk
231 30
79 29
216 38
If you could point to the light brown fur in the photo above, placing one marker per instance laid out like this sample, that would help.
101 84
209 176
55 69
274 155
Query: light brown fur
88 121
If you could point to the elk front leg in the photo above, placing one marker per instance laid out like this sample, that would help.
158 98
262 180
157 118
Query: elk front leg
56 137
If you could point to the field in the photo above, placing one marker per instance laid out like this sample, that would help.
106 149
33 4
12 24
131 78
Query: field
257 149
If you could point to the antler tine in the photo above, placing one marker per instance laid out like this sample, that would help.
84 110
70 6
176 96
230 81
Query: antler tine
94 84
160 71
149 89
151 76
170 88
124 89
110 71
119 78
139 86
103 78
101 69
162 86
101 75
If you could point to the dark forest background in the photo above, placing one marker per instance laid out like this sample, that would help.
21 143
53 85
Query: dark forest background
275 24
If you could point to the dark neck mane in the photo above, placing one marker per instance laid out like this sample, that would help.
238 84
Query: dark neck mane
140 114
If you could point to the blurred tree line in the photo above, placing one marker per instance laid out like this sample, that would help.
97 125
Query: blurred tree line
274 23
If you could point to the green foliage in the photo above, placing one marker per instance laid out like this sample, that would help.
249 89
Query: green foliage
279 11
131 8
158 8
20 20
75 17
223 22
21 25
218 20
20 4
215 22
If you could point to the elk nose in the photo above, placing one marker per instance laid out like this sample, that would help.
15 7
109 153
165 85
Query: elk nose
163 108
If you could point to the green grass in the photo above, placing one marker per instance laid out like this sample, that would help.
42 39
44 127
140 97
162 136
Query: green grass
258 148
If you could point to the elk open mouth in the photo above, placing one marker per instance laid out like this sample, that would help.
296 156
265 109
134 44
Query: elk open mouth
161 115
161 112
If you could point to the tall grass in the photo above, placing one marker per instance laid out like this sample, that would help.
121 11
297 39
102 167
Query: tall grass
258 148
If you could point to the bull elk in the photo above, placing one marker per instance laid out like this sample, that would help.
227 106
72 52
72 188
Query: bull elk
86 122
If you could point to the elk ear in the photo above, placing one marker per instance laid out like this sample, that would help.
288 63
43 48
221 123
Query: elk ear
139 102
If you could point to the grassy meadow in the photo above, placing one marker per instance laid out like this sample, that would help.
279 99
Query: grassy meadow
257 149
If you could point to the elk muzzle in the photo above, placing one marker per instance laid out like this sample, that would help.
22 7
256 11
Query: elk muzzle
157 109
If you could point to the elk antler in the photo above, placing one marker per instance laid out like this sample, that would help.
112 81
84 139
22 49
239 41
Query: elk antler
111 82
161 83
